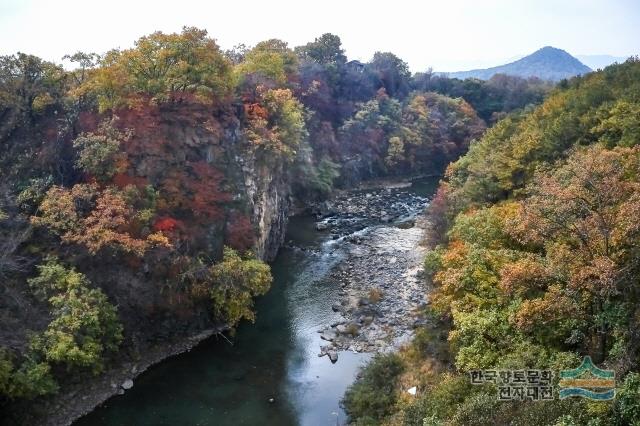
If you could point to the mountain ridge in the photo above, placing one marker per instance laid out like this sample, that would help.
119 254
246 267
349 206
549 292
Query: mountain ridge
547 63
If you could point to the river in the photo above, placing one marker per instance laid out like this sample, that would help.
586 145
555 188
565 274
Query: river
270 373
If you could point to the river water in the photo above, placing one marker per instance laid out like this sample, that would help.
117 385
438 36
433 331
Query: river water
271 373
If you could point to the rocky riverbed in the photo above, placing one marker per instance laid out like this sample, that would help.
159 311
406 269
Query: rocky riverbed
351 212
383 293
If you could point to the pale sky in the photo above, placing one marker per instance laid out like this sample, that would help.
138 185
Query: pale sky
448 35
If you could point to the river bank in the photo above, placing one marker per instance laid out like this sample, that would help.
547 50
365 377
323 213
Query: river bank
83 398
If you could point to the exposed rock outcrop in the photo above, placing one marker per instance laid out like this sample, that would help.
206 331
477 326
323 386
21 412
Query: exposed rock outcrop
269 195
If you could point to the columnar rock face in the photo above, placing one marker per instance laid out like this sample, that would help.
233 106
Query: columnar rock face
269 197
214 190
262 191
168 146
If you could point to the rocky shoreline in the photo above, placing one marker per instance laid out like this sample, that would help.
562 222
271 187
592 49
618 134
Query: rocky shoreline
382 288
81 399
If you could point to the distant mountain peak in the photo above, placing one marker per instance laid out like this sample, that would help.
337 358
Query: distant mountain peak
550 48
547 63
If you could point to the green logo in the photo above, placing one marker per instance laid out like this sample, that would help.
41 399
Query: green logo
588 381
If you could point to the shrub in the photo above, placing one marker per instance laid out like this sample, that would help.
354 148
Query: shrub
353 329
30 380
99 153
6 368
479 409
96 219
375 295
372 396
31 196
323 176
627 407
85 325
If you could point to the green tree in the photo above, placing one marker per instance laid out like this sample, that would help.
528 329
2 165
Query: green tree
99 153
325 50
164 67
627 405
29 84
234 282
30 380
392 72
85 325
372 396
270 59
619 124
318 178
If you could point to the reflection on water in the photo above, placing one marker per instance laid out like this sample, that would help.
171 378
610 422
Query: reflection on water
425 187
314 385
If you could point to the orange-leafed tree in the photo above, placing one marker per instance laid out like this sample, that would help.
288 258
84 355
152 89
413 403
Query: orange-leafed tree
95 219
240 233
583 217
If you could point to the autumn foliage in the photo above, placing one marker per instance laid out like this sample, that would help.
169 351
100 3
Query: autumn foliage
538 265
166 224
162 67
240 232
96 219
534 265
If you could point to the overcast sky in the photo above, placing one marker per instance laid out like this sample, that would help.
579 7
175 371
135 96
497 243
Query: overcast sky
447 35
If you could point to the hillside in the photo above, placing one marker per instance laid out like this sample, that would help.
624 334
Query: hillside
547 63
534 265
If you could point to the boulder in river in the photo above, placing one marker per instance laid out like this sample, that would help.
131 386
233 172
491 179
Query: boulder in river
322 226
351 328
363 301
328 335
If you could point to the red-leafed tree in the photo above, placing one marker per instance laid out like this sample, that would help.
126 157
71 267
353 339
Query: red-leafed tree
240 232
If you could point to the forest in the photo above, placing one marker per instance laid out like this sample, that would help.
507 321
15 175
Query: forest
535 265
136 188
